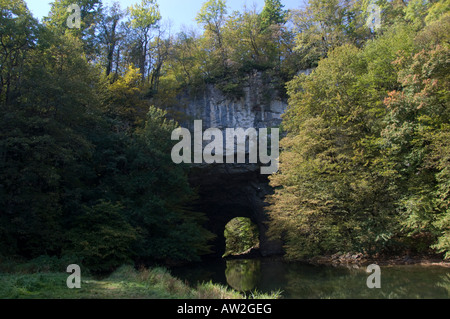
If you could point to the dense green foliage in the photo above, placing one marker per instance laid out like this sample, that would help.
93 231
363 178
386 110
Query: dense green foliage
85 169
85 161
241 235
365 161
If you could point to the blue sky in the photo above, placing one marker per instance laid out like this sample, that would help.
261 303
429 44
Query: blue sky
180 12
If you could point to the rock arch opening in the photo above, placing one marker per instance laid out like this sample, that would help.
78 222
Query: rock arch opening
241 237
226 192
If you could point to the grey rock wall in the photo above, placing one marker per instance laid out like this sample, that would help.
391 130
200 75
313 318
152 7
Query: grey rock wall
258 108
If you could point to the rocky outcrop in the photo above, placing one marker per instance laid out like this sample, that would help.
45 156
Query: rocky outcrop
227 191
259 107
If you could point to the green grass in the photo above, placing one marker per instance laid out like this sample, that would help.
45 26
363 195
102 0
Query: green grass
125 283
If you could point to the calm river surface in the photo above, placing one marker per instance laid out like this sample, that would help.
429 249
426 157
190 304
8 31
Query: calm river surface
300 281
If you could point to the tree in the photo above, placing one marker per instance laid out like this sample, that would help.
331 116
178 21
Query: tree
325 25
144 17
436 10
160 51
332 192
17 38
248 53
90 17
44 145
416 12
416 140
272 14
123 101
173 231
135 170
102 238
212 17
110 35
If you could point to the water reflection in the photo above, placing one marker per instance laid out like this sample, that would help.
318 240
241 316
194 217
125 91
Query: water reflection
445 283
300 281
243 275
398 282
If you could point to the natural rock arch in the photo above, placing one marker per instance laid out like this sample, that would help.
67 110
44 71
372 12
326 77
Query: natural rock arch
230 191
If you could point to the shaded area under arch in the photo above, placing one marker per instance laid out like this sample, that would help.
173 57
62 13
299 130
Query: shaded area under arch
230 191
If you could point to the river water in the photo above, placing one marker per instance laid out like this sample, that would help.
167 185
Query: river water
300 281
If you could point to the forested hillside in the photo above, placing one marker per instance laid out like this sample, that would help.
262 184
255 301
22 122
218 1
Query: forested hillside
86 119
365 166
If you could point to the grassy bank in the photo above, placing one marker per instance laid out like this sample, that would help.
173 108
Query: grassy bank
125 283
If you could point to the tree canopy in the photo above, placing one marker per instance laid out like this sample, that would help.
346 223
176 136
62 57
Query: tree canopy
365 159
87 114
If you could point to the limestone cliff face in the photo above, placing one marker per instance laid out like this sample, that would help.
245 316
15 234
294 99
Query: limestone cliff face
259 107
227 191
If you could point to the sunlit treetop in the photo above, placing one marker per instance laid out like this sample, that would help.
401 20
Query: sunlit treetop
272 13
212 13
144 15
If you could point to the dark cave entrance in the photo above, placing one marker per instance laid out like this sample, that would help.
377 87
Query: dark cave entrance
227 192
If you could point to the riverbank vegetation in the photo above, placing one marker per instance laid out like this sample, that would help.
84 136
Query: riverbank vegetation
86 117
44 278
365 166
